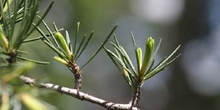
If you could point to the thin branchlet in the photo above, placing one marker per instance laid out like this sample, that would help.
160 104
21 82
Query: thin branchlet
137 93
77 74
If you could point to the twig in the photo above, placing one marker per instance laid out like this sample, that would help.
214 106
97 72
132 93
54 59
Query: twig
74 68
78 94
136 97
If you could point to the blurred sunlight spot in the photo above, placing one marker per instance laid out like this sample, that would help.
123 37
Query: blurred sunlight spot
202 65
159 11
202 57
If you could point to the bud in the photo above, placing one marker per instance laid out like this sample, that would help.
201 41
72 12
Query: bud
147 56
60 60
63 44
139 58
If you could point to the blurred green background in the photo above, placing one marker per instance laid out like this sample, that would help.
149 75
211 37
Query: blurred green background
191 83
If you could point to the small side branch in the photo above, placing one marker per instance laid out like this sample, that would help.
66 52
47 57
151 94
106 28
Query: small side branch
79 95
74 68
136 97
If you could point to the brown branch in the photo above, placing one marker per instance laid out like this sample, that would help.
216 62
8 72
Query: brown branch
136 97
137 94
79 95
74 68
